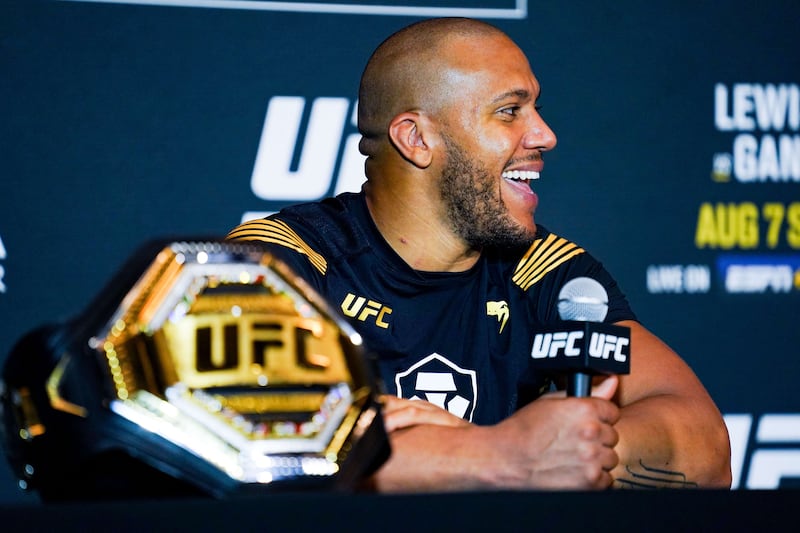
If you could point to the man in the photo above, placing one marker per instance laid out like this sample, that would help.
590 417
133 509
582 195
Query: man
440 265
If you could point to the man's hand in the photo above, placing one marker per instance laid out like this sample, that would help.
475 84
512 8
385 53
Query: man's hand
561 443
399 413
553 443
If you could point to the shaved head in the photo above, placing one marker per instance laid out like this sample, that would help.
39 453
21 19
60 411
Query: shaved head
450 126
405 73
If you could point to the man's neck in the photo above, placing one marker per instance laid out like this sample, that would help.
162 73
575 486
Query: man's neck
425 242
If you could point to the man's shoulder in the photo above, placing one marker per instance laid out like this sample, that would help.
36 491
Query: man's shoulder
546 255
322 230
552 260
343 205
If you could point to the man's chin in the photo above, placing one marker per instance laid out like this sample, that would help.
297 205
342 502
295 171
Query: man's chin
508 237
527 228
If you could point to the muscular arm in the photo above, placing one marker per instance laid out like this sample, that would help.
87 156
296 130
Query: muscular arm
670 432
667 433
554 442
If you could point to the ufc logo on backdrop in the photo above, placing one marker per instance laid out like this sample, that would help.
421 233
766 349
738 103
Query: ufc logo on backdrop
765 449
324 152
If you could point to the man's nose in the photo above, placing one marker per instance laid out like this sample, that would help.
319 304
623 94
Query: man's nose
539 135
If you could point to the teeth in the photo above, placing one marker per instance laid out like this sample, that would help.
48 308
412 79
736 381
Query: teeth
521 175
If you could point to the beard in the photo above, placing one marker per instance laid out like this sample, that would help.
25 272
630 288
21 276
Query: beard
474 206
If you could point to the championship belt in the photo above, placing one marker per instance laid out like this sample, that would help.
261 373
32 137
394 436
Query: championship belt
204 368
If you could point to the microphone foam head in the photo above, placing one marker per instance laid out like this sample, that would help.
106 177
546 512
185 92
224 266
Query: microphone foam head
583 299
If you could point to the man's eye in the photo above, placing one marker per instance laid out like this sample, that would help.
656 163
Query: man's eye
512 111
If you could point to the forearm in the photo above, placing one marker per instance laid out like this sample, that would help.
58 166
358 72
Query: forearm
432 458
672 442
670 431
552 443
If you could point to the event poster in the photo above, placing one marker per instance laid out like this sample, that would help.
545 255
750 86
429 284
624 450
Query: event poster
678 158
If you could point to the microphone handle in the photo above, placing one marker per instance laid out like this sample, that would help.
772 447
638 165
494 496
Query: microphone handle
579 385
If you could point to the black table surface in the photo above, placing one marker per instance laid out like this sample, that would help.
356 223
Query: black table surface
658 510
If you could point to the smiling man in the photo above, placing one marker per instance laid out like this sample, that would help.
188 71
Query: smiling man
441 267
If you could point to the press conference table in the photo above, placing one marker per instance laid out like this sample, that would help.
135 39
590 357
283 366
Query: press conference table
681 510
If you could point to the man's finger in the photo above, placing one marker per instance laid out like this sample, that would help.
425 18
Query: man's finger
606 389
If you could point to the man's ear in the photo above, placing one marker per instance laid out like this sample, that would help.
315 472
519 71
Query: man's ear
410 134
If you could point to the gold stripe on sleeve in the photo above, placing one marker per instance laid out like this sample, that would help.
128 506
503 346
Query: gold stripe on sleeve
543 256
277 232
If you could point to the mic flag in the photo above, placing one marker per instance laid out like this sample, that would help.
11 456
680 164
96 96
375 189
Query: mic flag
591 347
582 345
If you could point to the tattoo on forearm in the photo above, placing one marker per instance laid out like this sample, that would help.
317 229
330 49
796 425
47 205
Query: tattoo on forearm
645 477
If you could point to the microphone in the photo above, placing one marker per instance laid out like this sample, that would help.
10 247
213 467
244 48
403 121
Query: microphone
583 346
584 300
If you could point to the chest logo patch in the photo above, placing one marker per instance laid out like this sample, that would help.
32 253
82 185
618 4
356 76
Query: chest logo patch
500 310
441 382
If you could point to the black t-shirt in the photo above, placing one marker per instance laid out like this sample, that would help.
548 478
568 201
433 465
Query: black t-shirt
460 340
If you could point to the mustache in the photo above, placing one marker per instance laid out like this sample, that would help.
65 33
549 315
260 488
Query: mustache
533 157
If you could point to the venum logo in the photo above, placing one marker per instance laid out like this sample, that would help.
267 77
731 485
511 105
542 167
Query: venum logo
499 310
279 175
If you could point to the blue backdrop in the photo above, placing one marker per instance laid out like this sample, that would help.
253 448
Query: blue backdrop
678 162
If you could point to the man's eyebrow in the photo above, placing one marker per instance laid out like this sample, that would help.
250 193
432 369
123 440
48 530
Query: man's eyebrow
522 94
